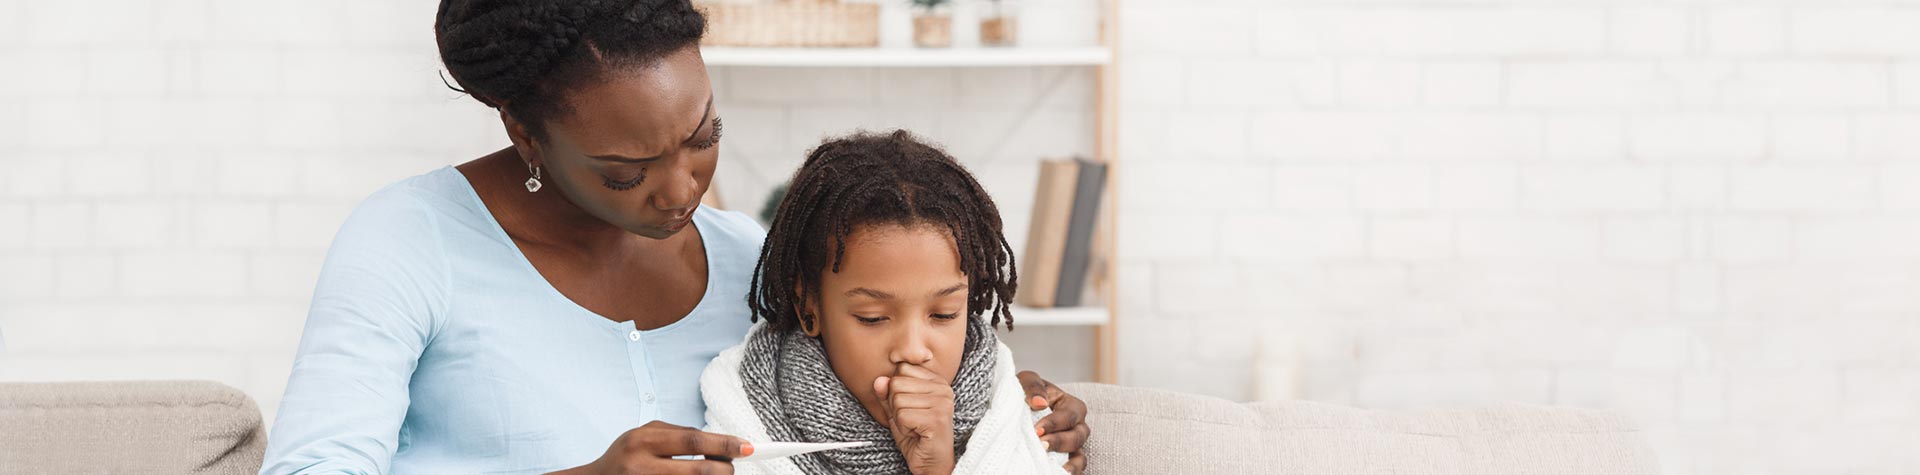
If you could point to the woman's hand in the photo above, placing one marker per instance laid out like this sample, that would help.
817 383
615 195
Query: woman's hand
1065 430
919 409
650 449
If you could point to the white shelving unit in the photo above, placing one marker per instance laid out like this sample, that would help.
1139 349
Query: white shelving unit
1061 317
1098 316
906 57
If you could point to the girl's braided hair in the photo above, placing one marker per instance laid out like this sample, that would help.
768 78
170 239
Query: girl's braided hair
869 179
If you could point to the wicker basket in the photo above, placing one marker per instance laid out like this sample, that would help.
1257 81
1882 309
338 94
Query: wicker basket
791 23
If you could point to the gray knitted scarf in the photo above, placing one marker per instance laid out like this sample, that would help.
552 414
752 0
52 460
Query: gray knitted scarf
800 399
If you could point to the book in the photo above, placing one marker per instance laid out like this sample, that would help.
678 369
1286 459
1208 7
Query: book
1077 255
1047 233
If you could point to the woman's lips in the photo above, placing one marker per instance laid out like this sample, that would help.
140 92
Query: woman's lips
676 223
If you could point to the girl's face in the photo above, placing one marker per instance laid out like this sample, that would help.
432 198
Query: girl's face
899 300
639 148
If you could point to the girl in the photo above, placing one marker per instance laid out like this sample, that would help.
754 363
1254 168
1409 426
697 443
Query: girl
880 284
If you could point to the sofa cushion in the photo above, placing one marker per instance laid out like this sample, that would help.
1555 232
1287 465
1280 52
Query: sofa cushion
1149 431
184 427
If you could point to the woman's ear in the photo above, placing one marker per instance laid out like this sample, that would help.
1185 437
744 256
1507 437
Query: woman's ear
522 141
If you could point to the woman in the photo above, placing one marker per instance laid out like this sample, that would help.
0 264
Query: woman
539 309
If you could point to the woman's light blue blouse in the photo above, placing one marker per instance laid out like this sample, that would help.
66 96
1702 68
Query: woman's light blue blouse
433 346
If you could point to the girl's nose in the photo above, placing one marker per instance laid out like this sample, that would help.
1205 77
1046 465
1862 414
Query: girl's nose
912 347
918 355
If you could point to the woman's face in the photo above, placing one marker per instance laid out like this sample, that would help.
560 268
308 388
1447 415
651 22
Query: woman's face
899 300
639 148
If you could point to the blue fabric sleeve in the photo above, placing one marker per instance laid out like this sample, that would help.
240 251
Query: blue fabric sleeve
380 297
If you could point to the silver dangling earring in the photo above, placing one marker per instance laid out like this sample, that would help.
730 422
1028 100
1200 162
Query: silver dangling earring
533 184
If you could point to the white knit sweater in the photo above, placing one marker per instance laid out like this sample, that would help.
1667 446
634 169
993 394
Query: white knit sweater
1003 442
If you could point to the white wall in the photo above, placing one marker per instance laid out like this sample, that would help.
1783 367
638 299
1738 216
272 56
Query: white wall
172 172
1692 211
1699 212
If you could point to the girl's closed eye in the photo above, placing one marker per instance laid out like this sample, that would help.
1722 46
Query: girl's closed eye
945 316
870 320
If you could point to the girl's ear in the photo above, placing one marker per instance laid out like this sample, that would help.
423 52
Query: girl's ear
809 312
811 325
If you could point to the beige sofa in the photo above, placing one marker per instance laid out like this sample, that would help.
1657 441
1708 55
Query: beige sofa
163 427
194 427
1148 431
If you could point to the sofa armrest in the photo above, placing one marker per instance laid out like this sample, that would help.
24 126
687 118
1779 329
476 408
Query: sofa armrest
191 427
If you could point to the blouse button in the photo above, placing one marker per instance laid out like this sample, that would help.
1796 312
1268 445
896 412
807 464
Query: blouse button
633 335
648 397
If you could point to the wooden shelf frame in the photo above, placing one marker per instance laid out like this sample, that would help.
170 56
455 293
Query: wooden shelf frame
905 57
1106 148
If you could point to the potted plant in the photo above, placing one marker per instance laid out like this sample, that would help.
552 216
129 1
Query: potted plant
999 26
932 24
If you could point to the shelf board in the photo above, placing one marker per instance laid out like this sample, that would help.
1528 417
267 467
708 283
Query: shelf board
905 57
1062 316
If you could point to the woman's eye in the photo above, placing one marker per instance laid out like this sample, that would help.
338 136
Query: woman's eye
627 184
945 316
870 320
712 139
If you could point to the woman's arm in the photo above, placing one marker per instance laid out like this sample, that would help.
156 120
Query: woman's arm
1065 430
373 313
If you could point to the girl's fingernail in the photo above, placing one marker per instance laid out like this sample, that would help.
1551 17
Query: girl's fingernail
1039 401
1046 445
746 449
1039 431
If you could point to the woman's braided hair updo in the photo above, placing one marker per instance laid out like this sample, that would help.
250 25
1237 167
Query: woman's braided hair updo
526 55
878 179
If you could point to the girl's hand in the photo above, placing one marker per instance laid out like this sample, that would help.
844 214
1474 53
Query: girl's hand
650 449
1065 430
919 409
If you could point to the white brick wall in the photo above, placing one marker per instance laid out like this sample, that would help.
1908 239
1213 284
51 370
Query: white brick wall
1693 211
173 173
1697 212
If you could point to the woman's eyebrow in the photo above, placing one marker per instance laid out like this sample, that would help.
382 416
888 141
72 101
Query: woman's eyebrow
696 132
704 114
621 159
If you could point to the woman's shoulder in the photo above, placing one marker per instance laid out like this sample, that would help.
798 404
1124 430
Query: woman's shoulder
411 210
388 265
400 226
417 197
436 192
